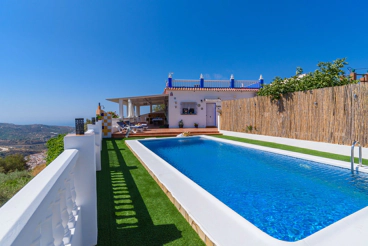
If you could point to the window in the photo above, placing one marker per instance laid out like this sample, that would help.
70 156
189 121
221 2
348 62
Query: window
188 108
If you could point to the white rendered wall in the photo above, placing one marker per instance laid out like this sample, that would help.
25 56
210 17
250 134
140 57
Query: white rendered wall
97 129
58 206
196 96
86 181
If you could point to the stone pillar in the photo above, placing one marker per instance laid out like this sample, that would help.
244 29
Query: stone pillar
121 108
261 81
169 80
201 81
232 81
138 110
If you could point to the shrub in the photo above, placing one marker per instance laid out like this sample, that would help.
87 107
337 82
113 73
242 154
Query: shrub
328 74
11 183
113 114
12 163
55 146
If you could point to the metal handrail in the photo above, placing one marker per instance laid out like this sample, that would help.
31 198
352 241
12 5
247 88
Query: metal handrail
352 155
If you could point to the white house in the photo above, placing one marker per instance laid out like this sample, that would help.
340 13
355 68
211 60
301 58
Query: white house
192 101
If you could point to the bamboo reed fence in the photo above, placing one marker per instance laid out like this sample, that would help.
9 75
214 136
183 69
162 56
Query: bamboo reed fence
336 115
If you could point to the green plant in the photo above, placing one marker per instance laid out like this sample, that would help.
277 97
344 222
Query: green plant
328 74
55 146
181 123
249 128
13 163
113 114
195 124
88 121
11 183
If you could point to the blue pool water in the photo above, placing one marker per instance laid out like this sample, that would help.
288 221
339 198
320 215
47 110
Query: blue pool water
286 197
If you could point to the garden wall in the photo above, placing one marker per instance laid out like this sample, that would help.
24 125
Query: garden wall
336 115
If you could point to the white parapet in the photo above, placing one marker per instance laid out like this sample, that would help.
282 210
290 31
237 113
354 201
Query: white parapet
58 206
98 142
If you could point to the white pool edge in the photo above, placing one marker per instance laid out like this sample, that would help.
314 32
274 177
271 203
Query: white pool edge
223 226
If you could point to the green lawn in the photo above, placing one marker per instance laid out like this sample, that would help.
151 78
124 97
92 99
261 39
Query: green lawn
132 208
294 149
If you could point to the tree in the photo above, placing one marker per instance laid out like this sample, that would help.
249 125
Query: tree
328 74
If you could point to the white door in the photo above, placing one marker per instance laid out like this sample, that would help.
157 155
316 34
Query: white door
211 114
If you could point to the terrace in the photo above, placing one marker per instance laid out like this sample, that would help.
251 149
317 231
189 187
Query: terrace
61 206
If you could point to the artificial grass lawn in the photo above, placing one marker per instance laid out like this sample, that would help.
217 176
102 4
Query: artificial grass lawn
294 149
132 208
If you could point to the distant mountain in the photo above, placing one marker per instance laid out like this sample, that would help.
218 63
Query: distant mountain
27 139
32 133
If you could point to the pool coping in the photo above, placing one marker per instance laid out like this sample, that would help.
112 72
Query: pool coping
217 224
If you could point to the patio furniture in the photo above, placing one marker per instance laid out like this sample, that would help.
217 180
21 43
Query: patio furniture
156 120
145 127
122 125
137 128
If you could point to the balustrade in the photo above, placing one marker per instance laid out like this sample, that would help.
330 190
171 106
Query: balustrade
58 206
181 83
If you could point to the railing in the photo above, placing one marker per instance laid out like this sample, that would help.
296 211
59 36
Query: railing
352 155
58 206
251 84
185 83
182 83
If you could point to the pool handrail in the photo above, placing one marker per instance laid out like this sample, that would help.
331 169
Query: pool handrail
352 155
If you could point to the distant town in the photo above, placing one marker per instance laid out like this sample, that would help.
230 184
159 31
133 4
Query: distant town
28 140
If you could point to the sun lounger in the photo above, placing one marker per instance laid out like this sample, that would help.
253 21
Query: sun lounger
122 126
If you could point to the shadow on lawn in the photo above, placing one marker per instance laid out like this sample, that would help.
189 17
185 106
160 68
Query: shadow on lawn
123 215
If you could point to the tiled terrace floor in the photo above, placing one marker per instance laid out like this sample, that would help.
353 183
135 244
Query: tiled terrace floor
132 209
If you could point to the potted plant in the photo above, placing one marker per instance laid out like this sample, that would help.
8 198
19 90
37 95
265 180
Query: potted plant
181 124
196 125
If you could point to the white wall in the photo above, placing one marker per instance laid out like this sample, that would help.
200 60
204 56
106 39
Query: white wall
59 205
196 96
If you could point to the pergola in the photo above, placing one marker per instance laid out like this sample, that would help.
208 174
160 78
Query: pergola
133 104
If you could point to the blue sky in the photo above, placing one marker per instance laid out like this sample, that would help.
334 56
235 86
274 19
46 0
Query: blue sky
59 59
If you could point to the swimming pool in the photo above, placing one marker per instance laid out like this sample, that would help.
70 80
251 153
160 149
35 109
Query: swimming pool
287 198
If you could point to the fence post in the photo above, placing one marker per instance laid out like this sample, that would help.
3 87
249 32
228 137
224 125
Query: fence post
261 81
201 81
232 81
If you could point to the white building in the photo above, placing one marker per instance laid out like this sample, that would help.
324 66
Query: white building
192 101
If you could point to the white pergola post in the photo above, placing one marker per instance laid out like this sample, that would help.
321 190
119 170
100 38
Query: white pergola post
121 108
